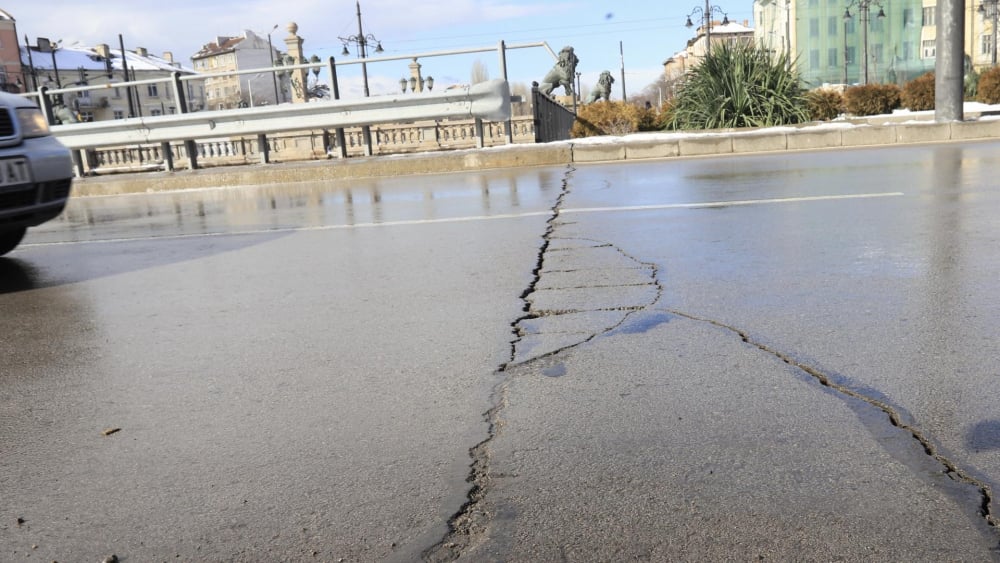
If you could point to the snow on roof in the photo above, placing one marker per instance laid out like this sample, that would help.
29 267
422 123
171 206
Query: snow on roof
731 27
78 56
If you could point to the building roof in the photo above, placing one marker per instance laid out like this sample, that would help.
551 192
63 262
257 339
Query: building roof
220 45
74 57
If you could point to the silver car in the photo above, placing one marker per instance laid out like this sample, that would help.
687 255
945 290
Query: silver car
36 170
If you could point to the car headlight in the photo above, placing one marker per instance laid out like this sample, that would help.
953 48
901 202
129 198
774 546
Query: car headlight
33 123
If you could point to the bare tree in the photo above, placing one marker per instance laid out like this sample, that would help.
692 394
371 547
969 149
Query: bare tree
479 72
521 91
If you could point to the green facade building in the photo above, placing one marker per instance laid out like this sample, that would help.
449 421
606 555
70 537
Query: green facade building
830 48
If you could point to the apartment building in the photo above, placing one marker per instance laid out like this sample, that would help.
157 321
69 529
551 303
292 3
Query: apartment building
882 41
230 54
56 66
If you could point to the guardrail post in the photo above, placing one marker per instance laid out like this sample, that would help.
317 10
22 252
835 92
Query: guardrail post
192 149
168 156
264 149
480 134
78 163
341 138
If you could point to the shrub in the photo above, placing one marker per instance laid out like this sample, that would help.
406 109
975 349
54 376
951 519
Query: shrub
918 94
824 104
614 118
971 85
989 86
872 99
605 118
741 85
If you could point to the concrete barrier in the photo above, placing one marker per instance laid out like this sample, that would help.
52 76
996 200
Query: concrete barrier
701 145
818 138
868 135
760 142
596 152
639 149
923 133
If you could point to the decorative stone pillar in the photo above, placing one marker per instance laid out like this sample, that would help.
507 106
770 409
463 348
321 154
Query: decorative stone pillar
415 74
299 78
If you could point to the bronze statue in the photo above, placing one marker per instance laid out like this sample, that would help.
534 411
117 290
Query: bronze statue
603 88
562 74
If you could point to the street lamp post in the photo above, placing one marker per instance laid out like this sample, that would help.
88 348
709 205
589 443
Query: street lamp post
361 40
864 6
706 15
988 10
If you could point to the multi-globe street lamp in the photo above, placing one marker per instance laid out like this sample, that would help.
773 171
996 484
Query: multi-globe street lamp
864 6
706 15
362 41
988 10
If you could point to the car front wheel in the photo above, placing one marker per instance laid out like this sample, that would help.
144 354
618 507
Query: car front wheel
10 239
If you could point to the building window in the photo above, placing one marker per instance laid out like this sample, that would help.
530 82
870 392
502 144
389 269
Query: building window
118 92
118 114
814 58
929 16
851 56
986 45
87 116
908 19
171 110
152 91
831 57
155 112
877 24
930 49
832 25
814 27
849 26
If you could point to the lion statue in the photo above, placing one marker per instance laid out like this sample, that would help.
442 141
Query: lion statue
603 88
562 74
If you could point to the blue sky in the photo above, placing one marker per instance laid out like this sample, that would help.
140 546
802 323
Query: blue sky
648 31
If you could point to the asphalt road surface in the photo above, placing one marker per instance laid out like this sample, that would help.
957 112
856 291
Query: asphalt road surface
789 356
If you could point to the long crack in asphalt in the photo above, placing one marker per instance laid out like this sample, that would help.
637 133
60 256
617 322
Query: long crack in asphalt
468 526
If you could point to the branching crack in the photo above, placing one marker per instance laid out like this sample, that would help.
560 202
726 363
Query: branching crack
468 525
951 469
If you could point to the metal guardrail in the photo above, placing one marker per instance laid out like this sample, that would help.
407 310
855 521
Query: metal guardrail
488 101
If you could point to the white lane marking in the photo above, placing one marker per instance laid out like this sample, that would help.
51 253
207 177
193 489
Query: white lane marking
280 230
731 203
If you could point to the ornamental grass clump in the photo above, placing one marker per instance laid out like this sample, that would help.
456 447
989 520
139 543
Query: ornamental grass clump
740 85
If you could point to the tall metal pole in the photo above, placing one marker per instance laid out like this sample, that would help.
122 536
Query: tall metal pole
274 75
864 23
621 51
31 65
949 66
364 52
708 30
994 9
846 61
128 91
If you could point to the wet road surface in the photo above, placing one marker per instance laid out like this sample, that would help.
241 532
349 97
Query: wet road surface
782 356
